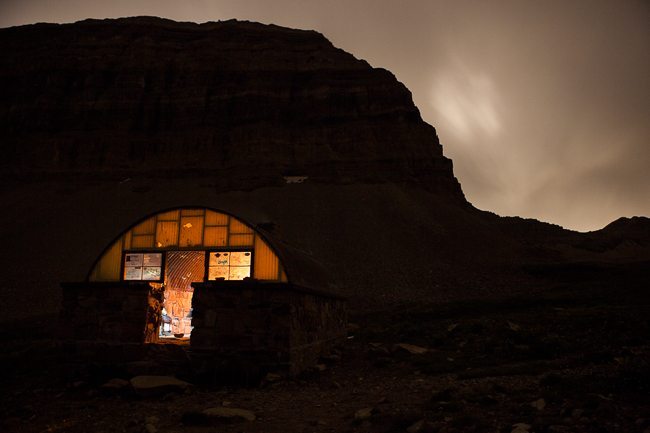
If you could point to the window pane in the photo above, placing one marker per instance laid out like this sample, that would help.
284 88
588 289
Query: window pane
133 273
213 218
240 258
241 240
191 231
146 227
167 234
192 212
169 216
239 272
266 262
237 226
216 272
133 259
142 241
151 273
215 236
219 258
152 259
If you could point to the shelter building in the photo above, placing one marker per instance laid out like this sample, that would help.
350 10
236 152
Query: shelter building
204 277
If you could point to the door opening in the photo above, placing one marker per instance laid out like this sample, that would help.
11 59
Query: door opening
182 269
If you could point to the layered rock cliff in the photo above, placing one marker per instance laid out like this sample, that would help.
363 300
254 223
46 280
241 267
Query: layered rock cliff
253 101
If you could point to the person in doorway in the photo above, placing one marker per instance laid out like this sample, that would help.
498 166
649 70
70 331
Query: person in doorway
166 328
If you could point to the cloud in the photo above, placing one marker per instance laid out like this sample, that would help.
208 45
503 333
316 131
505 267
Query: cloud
467 102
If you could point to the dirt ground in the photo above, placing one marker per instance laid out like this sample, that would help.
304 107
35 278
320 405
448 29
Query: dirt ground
572 358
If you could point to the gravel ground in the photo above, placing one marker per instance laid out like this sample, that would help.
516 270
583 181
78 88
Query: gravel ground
573 359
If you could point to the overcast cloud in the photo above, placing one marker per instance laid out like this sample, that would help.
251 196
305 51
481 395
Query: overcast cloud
544 107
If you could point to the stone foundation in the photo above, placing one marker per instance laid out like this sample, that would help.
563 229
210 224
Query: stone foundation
242 329
252 328
115 312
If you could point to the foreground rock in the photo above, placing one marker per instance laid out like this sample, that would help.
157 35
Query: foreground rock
158 385
115 384
363 414
229 414
520 427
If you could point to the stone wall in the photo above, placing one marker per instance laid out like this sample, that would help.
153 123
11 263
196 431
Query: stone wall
119 312
242 329
252 328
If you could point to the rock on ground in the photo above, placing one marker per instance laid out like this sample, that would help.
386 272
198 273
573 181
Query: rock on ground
157 385
229 414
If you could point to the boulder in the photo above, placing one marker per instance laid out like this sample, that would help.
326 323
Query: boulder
538 404
363 414
229 414
115 384
521 427
158 385
416 427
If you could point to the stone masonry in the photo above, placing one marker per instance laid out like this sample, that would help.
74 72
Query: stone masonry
113 312
252 328
242 329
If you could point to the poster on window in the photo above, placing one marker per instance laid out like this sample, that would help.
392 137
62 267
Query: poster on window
219 258
133 259
240 258
152 259
239 272
151 273
218 272
133 272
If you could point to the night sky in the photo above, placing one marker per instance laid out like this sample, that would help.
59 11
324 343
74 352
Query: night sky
544 107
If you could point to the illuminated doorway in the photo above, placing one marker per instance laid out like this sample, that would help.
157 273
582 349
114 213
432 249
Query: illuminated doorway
182 269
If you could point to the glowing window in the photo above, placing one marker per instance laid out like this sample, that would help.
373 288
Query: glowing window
229 265
142 267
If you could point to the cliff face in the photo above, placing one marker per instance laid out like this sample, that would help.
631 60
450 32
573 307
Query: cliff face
253 101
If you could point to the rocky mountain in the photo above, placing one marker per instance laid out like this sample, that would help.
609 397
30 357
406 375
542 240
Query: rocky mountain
256 101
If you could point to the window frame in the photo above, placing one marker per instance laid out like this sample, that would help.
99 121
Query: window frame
163 264
228 250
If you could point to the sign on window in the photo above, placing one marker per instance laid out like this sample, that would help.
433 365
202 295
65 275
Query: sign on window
229 265
143 266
